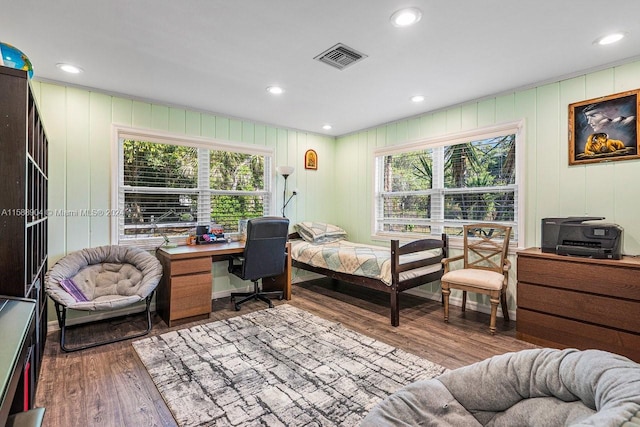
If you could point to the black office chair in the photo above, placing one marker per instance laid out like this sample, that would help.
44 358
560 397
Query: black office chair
264 256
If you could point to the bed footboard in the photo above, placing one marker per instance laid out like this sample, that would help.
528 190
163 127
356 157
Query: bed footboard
405 275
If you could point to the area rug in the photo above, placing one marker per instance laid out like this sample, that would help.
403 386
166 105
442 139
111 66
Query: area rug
278 367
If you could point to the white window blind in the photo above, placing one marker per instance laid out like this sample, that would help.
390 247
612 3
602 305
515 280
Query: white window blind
437 186
167 186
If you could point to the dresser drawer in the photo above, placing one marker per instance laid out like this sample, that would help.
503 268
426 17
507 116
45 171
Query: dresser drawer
599 309
580 275
552 331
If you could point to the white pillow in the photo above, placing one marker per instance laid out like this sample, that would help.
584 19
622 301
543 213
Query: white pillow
319 232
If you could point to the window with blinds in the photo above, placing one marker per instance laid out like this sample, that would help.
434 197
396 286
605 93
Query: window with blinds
166 186
437 186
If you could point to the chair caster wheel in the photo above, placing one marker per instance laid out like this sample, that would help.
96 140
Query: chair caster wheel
237 307
281 297
270 305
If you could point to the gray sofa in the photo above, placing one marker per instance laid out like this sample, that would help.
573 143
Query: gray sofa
540 387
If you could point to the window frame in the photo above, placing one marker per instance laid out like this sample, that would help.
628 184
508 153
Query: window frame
117 177
516 128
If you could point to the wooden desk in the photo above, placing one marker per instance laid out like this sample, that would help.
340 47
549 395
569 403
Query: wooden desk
568 301
184 292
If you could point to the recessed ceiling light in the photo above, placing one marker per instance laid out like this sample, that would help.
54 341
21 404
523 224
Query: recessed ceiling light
326 127
406 17
275 90
69 68
417 98
608 39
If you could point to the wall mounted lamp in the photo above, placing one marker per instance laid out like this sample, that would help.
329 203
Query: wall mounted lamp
285 171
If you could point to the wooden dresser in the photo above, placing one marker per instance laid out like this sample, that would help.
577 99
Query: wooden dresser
566 301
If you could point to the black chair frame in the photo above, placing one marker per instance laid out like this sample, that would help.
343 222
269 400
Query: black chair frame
61 314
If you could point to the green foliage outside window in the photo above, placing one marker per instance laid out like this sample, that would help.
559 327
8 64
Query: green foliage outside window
477 183
164 188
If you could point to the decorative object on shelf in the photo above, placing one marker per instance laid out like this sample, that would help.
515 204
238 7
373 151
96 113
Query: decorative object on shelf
604 129
12 57
311 160
285 171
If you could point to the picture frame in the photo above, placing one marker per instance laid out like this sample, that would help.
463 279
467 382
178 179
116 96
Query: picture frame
311 160
604 129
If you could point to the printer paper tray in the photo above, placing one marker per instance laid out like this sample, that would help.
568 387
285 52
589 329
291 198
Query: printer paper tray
582 251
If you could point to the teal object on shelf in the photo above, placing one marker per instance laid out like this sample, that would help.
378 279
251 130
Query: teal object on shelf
13 57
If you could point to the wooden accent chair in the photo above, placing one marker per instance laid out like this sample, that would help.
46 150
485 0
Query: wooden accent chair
485 270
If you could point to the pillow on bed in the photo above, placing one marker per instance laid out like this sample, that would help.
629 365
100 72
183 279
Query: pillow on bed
319 232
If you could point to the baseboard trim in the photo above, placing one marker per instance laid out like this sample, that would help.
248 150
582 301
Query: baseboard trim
454 301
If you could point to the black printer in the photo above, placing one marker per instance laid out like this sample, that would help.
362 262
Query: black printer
575 236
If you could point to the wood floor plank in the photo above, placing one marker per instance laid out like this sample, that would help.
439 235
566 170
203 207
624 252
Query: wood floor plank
135 392
109 386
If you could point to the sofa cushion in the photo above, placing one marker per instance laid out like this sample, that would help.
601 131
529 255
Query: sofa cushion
606 384
527 388
108 276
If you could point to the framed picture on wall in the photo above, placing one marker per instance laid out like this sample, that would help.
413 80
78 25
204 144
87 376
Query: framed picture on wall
604 129
311 160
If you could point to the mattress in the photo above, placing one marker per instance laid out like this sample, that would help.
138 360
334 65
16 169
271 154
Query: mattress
359 259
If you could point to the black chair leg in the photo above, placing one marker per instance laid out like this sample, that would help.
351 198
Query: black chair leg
61 313
255 295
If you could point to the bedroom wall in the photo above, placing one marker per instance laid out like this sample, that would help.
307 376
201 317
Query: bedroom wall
552 188
78 123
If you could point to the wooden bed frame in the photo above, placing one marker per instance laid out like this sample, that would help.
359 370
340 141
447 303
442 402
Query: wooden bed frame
396 286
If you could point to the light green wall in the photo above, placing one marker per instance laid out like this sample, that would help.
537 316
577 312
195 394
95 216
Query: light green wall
79 122
552 188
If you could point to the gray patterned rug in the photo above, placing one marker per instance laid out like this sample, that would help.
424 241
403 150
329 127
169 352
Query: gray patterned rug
276 367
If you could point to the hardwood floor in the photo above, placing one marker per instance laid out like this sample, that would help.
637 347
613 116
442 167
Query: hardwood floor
108 386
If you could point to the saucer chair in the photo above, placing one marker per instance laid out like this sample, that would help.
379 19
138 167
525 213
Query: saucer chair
104 278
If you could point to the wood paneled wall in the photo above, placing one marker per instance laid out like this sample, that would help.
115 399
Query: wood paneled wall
80 126
79 123
552 188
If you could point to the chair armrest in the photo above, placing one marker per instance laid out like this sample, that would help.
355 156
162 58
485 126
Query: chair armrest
233 258
446 261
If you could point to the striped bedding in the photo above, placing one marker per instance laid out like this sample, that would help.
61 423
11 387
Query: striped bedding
358 259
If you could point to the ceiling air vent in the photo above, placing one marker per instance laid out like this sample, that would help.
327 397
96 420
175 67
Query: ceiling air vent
340 56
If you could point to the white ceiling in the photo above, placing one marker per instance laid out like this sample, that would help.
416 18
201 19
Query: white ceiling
219 56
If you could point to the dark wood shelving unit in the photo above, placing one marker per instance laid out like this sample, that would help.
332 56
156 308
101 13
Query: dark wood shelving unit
23 213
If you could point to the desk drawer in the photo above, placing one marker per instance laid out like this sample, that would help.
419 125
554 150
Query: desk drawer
190 266
190 296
